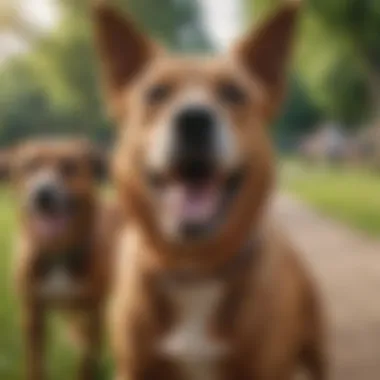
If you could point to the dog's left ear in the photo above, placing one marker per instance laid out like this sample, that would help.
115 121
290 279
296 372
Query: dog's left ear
265 52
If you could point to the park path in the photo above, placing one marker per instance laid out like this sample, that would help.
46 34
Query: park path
346 265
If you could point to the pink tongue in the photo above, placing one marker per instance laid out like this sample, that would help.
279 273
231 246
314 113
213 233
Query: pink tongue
196 204
50 227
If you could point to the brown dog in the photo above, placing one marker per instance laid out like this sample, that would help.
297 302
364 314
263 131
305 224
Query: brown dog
206 287
63 255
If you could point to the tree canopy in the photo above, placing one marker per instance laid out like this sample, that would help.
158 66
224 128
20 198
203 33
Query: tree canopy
338 57
53 88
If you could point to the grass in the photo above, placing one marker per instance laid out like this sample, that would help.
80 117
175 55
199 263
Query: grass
61 359
351 196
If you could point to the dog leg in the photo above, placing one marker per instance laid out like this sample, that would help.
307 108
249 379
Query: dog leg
315 363
91 349
34 330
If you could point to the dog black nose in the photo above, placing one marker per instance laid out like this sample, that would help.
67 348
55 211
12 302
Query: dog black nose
46 199
193 156
195 131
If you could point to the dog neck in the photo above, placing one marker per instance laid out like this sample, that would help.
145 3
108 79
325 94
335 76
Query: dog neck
228 269
77 248
73 259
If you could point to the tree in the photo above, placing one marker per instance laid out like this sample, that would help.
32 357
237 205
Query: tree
300 116
358 23
13 21
54 87
338 56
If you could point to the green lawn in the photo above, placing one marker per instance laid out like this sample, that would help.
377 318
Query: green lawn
351 196
61 359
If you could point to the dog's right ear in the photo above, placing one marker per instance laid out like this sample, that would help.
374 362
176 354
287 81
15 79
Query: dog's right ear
124 52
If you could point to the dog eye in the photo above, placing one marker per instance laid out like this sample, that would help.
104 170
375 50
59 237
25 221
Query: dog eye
158 93
68 168
231 93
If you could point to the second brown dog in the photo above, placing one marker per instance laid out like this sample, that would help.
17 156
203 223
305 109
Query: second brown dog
63 259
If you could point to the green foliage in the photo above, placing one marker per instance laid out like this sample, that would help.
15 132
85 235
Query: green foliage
176 23
338 56
299 116
358 20
54 89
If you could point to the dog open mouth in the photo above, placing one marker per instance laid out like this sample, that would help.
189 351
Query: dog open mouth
51 226
54 222
196 201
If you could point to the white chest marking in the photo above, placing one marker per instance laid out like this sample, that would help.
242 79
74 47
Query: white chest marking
189 343
58 284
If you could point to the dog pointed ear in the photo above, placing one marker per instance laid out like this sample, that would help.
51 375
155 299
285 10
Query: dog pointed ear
266 51
123 50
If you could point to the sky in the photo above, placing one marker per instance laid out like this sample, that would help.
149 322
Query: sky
221 18
40 12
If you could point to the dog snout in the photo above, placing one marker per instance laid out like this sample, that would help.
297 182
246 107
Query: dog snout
195 170
194 130
194 153
47 199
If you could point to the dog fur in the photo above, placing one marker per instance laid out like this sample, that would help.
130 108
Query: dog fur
261 320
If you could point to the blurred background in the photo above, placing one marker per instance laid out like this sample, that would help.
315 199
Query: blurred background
328 133
48 81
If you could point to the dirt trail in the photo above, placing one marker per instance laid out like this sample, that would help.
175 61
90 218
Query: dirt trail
347 266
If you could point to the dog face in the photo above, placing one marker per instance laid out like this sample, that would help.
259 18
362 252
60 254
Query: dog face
193 156
55 182
194 137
